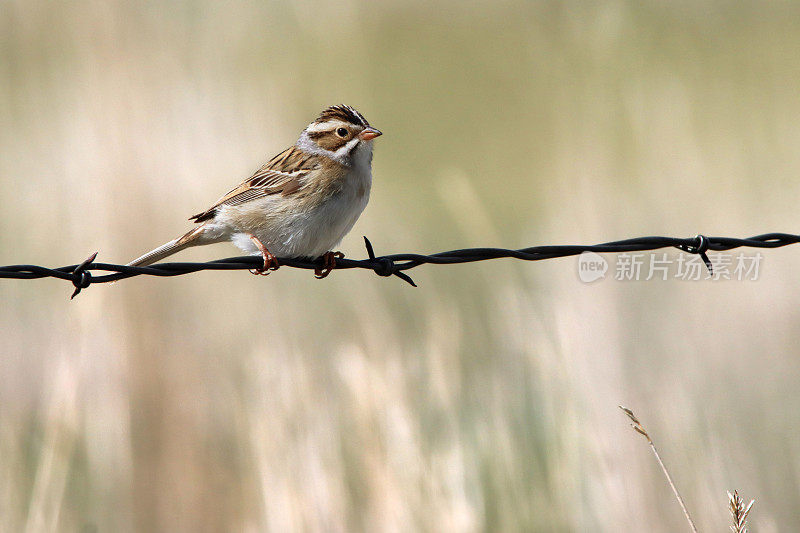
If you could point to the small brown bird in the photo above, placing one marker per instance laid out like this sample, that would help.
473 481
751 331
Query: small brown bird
300 204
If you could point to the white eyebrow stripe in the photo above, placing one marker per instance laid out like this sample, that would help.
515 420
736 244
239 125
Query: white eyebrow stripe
328 125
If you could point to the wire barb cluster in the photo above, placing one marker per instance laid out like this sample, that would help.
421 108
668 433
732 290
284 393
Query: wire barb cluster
395 264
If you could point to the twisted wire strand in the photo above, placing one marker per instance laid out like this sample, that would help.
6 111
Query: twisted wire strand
82 277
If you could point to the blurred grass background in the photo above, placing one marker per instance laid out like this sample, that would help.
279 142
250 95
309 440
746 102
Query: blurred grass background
486 399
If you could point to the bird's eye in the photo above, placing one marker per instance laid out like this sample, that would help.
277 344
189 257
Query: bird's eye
341 132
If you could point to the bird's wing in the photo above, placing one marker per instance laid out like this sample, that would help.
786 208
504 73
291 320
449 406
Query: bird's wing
281 175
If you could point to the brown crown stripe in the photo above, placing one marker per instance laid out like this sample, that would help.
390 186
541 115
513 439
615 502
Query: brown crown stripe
344 113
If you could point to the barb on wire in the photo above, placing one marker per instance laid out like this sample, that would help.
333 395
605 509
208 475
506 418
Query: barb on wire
395 264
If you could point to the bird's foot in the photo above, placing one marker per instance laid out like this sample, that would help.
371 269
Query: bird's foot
270 261
328 264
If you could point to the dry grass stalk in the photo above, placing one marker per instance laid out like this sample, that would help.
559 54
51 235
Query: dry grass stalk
739 512
637 426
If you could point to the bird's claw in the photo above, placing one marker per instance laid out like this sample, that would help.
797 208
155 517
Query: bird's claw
328 264
270 261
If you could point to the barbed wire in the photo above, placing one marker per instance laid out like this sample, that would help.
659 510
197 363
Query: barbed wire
81 276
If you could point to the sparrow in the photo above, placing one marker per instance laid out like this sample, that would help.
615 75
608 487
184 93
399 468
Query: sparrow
298 205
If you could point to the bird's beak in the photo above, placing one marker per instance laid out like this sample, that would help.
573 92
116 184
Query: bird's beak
368 134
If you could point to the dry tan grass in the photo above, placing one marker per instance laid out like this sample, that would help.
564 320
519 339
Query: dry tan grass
484 400
739 512
639 428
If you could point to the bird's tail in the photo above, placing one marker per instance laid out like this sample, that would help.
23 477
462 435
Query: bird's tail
193 238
